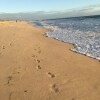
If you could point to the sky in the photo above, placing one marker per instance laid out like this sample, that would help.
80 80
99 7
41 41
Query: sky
47 9
15 6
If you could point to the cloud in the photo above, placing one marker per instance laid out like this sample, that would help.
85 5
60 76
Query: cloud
91 10
85 11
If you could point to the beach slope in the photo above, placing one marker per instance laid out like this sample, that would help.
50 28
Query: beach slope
34 67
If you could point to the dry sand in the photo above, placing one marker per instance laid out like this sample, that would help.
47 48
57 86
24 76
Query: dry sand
34 67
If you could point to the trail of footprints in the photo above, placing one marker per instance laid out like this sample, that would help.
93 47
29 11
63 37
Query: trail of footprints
11 77
53 88
37 62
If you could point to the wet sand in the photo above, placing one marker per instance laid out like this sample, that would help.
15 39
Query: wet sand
34 67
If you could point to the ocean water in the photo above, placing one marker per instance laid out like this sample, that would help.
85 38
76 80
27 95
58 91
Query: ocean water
83 32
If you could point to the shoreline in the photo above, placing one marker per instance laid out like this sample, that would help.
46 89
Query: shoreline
34 67
71 49
87 42
75 47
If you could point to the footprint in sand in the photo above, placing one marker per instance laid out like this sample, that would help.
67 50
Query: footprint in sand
3 47
18 72
10 95
38 61
50 75
54 88
25 91
11 44
9 78
38 67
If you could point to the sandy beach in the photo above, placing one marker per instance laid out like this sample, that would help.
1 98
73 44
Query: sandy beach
35 67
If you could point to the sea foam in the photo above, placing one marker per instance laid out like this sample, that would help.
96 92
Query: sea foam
84 34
